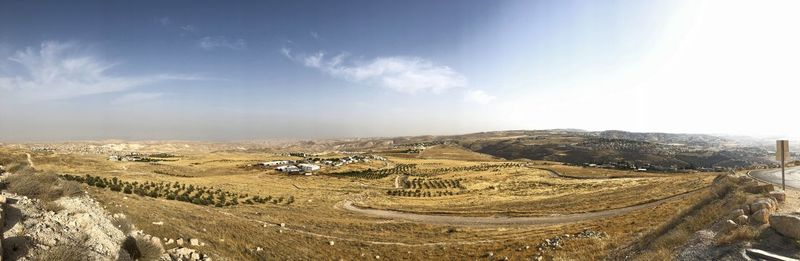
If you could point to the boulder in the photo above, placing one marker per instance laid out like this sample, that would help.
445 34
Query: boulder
763 203
729 225
194 242
179 241
779 196
760 189
742 220
736 212
746 208
786 224
744 179
761 216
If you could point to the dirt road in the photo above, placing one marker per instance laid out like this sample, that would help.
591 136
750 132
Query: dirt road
30 162
502 220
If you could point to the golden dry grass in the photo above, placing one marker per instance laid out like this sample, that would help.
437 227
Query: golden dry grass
314 220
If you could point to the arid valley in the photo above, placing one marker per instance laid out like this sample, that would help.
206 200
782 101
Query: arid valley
383 198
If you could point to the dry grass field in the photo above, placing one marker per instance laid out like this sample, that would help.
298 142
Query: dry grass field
442 180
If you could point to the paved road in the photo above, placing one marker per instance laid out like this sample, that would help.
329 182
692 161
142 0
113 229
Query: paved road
774 176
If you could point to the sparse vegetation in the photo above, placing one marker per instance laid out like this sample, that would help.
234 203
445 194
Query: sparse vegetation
42 185
66 252
198 195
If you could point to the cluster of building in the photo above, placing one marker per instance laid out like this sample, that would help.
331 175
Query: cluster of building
630 166
336 162
651 167
133 156
310 165
291 167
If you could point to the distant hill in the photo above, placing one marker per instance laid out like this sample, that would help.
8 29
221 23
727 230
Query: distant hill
657 150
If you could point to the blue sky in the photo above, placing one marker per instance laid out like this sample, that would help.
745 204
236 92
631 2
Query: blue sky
316 69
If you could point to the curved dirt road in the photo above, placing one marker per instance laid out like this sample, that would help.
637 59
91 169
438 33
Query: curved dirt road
501 220
30 162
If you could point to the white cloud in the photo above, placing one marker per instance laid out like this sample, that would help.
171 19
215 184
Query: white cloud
314 35
136 97
188 28
286 52
164 21
57 70
399 73
478 96
214 42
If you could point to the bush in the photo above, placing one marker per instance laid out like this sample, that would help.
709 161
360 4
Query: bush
123 224
742 233
71 188
141 249
37 185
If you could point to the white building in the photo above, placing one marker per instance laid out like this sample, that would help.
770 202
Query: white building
275 163
309 167
288 169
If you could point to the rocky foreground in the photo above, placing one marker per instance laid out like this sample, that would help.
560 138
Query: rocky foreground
765 227
36 230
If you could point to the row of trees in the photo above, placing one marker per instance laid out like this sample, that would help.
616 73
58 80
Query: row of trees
418 183
479 167
412 170
200 195
379 173
419 193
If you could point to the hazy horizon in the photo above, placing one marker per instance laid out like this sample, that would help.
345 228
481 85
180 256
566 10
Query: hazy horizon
233 71
767 139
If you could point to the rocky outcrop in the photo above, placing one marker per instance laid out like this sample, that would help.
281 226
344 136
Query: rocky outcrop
32 230
761 216
786 224
742 220
779 196
183 253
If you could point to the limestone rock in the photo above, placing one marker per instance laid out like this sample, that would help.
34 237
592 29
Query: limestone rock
761 216
729 225
736 212
742 220
763 203
194 242
760 189
746 209
780 196
786 224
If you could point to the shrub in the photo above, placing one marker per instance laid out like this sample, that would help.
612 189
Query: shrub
739 234
141 249
37 185
71 188
123 224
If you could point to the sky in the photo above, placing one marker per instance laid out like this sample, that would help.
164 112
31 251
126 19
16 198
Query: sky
244 70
